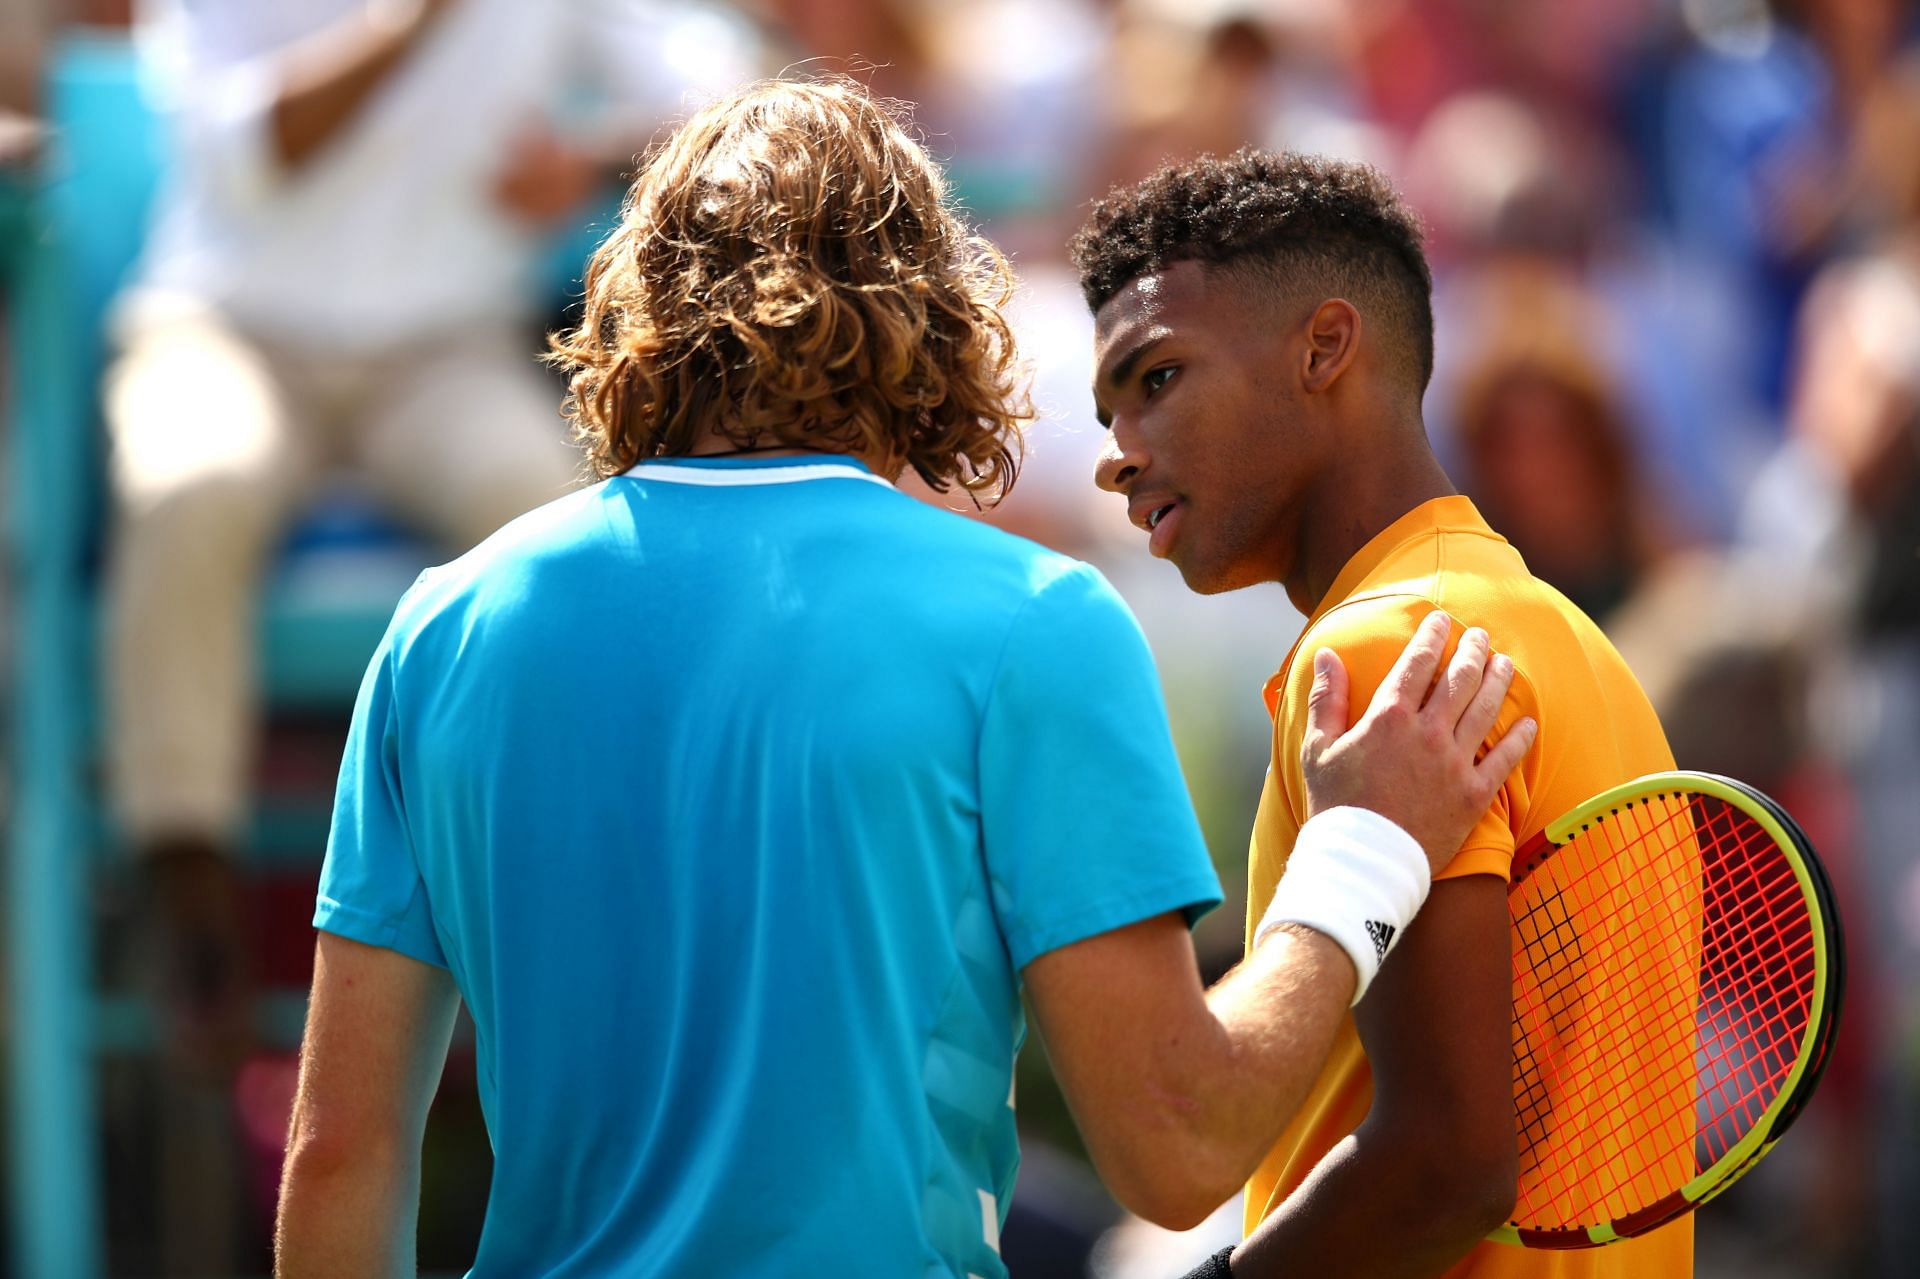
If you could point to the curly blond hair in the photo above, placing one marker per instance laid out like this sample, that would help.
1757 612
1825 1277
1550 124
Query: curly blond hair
789 272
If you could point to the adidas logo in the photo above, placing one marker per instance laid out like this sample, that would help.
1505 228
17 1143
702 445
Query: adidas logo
1382 935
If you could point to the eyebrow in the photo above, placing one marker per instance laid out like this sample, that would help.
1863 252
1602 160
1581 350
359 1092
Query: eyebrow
1122 368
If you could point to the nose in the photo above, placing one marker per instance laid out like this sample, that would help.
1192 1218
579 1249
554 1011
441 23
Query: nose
1118 465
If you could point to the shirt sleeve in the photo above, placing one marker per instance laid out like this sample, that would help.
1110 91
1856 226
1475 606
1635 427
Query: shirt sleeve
1369 637
371 890
1086 820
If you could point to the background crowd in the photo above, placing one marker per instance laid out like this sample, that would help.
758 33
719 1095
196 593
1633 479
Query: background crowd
1676 246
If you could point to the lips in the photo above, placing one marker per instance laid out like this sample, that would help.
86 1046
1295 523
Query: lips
1165 530
1159 514
1146 510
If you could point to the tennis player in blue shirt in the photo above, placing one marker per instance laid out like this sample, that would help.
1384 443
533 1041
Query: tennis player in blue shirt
738 794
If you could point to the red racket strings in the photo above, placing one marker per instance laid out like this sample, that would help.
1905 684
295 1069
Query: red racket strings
1663 983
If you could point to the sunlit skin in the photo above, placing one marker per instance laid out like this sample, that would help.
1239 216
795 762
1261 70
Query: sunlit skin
1270 435
1268 432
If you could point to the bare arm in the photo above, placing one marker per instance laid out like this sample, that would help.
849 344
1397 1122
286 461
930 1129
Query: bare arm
377 1034
1179 1091
1432 1168
325 81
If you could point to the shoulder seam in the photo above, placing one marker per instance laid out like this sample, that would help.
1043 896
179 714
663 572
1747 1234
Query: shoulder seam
1433 596
1428 596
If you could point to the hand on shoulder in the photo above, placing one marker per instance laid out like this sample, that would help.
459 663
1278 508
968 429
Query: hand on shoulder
1411 757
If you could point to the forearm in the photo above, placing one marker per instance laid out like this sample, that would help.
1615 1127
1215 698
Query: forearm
1355 882
1190 1087
1176 1089
1432 1168
1372 1209
326 81
346 1217
377 1030
1273 1019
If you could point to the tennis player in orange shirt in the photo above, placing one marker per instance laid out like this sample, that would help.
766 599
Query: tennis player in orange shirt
1263 337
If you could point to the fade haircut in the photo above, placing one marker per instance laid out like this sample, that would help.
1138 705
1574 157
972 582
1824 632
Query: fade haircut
790 270
1298 222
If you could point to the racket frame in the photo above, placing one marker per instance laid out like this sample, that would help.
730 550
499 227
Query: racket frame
1821 1014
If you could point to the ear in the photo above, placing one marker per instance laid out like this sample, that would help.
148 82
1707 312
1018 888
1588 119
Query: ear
1333 343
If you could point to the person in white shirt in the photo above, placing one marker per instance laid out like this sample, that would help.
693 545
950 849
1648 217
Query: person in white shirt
338 277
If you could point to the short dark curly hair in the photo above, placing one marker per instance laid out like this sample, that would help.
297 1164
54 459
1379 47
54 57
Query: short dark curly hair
1297 219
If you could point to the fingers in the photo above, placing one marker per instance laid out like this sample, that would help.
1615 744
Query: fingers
1506 753
1413 670
1326 704
1479 715
1456 689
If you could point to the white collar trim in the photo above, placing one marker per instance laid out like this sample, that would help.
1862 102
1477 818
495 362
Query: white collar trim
731 477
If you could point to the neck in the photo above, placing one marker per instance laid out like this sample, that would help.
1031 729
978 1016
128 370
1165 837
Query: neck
714 444
1361 494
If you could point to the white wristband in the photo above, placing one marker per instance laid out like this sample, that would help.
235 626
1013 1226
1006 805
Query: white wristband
1358 878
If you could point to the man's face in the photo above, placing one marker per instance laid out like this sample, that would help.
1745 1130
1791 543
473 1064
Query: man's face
1204 430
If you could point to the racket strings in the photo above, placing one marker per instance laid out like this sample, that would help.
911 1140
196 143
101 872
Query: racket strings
1571 1068
1664 971
1616 1149
1753 1015
1573 1063
1613 1155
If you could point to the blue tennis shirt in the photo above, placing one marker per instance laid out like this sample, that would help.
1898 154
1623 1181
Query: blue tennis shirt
735 794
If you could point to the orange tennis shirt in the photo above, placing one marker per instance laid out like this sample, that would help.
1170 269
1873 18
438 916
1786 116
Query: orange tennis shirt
1596 730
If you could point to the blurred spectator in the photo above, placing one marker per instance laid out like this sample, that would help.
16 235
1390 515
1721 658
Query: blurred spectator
1513 194
1734 657
1185 79
1838 514
1764 116
23 31
1839 500
26 26
884 43
1544 451
1189 79
1415 54
1018 134
1887 151
338 273
1496 177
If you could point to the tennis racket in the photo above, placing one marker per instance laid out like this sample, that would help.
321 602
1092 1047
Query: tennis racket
1677 973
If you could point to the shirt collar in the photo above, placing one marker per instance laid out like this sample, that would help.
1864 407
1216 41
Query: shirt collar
1453 512
731 472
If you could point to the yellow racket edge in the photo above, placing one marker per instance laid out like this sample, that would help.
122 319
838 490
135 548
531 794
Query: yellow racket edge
1811 881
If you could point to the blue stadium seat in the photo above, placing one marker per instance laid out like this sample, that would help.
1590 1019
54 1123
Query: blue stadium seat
74 234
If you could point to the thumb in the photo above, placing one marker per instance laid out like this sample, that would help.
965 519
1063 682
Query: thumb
1326 702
